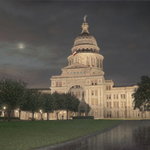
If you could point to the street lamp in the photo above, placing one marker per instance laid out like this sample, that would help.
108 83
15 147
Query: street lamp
4 111
41 114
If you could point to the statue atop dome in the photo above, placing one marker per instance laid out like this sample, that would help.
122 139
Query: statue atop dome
85 18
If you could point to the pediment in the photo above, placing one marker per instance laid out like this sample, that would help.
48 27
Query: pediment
75 65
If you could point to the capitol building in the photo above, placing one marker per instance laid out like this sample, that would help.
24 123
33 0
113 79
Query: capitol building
85 73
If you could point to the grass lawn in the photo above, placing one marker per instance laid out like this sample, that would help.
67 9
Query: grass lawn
25 135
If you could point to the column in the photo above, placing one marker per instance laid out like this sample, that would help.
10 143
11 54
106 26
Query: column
87 98
102 103
99 101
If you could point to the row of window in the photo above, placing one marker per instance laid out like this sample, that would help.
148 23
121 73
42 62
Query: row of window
93 82
115 96
76 73
94 92
116 104
58 84
94 102
87 62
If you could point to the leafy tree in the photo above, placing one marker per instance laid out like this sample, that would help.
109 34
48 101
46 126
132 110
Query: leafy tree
142 94
11 93
32 101
57 102
75 103
70 103
48 103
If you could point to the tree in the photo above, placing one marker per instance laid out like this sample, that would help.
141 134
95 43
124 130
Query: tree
32 101
57 102
48 103
142 94
70 103
75 103
11 93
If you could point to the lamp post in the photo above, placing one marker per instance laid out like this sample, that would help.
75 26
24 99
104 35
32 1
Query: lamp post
41 114
4 111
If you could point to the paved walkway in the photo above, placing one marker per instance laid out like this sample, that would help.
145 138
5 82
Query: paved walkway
130 135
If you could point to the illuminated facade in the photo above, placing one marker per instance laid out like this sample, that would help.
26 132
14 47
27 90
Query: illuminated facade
85 73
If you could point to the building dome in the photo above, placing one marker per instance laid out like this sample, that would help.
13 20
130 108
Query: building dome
85 42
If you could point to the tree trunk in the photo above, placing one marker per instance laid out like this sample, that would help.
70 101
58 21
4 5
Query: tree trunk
19 114
9 111
47 115
32 116
57 115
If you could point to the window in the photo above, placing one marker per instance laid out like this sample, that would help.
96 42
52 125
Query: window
114 104
109 104
92 92
133 104
115 96
95 82
95 92
92 101
117 104
77 72
122 96
108 87
109 96
121 104
96 102
96 113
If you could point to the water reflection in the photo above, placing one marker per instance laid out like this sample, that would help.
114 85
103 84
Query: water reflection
130 135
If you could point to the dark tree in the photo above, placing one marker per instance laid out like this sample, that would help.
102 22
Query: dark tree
75 103
48 103
142 94
70 103
11 93
32 101
57 102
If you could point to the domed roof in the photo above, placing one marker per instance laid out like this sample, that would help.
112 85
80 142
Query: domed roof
85 42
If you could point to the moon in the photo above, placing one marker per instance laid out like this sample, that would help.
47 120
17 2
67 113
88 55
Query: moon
21 46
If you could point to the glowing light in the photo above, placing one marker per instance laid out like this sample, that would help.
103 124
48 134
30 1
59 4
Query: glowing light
21 46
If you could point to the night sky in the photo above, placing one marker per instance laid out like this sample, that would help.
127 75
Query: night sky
36 38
